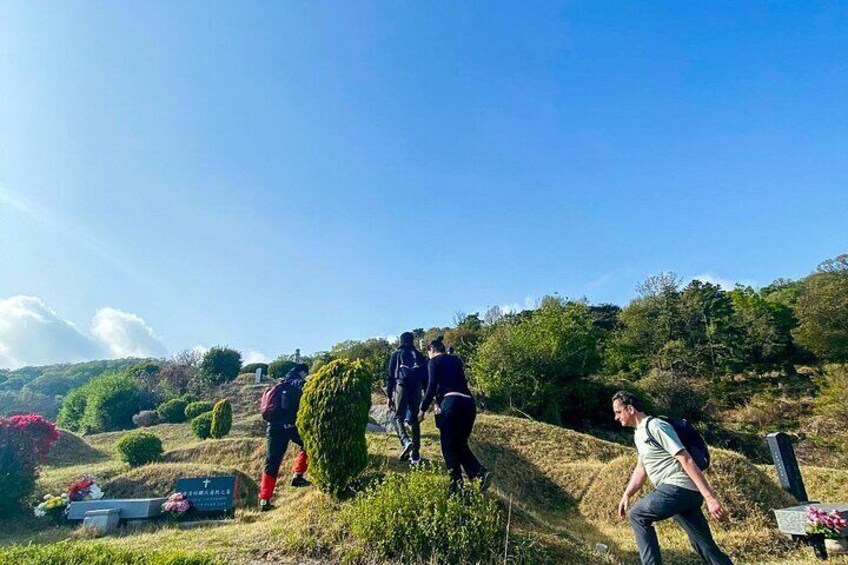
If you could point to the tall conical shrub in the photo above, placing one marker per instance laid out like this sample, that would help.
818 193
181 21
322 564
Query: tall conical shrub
332 418
222 419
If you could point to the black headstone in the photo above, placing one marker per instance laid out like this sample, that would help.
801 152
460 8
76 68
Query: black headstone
788 471
209 495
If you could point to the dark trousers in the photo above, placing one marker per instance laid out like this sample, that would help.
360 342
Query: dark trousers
455 423
407 405
684 506
277 438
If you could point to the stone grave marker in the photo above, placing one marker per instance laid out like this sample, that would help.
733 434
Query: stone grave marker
257 378
210 496
788 471
128 508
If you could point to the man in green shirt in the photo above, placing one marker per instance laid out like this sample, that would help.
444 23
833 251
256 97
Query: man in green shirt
679 486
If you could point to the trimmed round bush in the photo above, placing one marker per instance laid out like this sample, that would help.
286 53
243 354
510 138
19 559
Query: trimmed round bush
146 418
195 409
202 425
139 448
173 411
332 418
222 419
221 364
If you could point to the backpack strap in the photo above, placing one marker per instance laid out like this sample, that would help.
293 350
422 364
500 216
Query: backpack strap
651 438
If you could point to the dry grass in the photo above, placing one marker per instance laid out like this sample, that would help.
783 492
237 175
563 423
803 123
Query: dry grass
245 454
159 479
71 449
173 436
823 484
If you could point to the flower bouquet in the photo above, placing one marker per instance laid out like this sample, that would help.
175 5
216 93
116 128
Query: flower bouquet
831 525
176 507
85 488
53 507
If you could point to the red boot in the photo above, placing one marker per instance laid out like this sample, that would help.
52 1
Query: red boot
266 491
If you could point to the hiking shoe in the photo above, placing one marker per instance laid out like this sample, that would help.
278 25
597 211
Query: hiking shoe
404 453
265 505
485 481
415 461
299 481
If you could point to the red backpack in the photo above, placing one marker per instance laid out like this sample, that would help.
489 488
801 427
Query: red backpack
276 404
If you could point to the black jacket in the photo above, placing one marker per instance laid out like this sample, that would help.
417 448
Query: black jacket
392 369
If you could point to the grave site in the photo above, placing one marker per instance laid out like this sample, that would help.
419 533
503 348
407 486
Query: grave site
552 500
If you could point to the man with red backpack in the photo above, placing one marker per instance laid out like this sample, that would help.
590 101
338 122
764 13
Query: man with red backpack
279 409
406 379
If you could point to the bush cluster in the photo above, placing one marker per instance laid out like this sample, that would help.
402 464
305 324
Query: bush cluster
139 448
173 411
146 418
25 440
222 419
332 418
195 409
221 364
201 425
413 517
106 403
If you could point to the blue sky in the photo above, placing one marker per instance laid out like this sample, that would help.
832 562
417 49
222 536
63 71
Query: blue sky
281 175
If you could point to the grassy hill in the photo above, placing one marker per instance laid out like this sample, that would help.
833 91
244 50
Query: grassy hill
562 487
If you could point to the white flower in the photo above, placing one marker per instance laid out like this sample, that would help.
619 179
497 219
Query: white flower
47 496
95 492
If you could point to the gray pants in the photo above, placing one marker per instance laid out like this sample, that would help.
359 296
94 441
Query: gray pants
684 506
407 405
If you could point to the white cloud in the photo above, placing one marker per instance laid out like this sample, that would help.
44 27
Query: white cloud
253 356
126 335
726 284
32 333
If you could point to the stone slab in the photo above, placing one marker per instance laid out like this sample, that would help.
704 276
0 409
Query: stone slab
104 521
129 508
793 520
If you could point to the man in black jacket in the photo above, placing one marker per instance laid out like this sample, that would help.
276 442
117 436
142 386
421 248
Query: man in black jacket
406 377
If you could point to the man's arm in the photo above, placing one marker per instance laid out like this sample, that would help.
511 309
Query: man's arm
637 479
691 468
391 369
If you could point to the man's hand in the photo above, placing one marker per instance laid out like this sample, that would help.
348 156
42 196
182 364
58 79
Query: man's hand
421 415
715 509
623 505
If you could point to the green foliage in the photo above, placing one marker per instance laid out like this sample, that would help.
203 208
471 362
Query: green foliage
251 368
822 311
139 448
332 418
201 426
222 419
173 411
70 553
765 339
539 365
195 409
221 364
675 395
411 517
372 352
278 368
833 392
104 404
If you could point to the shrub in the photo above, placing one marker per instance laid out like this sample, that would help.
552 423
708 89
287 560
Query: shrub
251 368
72 409
195 409
138 448
173 411
833 390
104 404
202 425
66 552
146 418
25 440
332 419
278 369
675 395
222 419
221 364
427 524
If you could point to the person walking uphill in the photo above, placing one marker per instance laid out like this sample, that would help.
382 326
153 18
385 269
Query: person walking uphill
680 486
279 409
406 377
455 414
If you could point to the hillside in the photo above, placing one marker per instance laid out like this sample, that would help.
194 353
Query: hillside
563 486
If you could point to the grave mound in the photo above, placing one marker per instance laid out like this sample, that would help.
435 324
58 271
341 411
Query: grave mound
245 454
158 479
747 493
71 449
